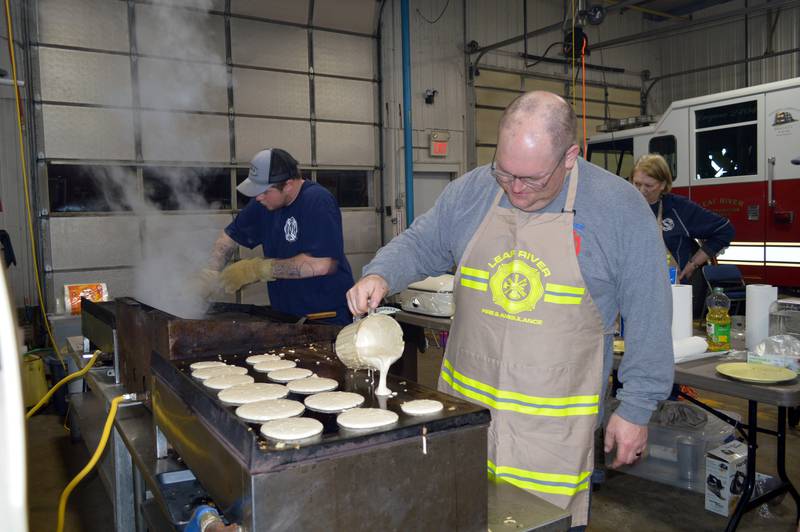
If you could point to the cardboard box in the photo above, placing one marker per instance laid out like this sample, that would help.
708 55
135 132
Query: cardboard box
726 472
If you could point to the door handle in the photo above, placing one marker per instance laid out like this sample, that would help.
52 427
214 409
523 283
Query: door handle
770 178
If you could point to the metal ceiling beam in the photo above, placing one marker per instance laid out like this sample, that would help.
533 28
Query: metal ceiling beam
533 33
639 7
686 26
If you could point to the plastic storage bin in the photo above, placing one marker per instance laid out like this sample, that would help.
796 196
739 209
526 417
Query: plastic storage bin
677 455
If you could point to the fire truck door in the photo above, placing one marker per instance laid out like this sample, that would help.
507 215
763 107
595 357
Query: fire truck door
727 164
783 186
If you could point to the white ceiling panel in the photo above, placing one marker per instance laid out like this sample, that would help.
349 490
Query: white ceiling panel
87 133
296 12
351 15
345 55
85 77
255 134
269 45
346 144
270 93
86 23
172 84
344 99
170 32
184 137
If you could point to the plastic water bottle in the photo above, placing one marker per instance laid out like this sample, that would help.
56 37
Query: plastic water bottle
672 267
718 322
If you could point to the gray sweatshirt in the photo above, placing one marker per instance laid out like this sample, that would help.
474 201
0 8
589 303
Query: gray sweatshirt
622 260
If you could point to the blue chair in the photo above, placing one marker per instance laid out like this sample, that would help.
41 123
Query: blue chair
729 278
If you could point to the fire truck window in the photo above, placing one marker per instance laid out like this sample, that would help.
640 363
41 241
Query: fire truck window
616 156
727 152
666 146
726 114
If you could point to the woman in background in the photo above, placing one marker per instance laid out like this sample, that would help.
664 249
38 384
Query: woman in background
683 223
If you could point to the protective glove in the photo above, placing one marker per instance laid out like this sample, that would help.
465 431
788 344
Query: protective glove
244 272
204 283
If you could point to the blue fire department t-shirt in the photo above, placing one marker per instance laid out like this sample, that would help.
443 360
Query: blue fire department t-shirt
312 224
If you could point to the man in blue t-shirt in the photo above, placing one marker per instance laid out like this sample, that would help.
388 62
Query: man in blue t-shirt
299 227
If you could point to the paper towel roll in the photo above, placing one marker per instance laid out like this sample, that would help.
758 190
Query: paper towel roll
759 298
694 345
681 311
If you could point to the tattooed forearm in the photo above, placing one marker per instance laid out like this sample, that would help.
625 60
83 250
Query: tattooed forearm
285 269
222 252
303 266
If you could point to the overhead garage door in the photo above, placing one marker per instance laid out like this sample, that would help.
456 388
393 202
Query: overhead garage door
139 101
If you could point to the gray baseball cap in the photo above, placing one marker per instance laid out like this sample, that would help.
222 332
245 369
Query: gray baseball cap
268 167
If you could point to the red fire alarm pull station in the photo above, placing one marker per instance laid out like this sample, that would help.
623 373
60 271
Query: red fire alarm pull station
438 146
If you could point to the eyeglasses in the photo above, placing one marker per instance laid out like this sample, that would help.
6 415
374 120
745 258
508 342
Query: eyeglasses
527 181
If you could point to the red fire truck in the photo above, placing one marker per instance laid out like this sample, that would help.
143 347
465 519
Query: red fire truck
732 153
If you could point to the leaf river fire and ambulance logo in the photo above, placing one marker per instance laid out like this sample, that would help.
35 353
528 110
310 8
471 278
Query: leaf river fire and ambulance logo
516 286
290 229
517 280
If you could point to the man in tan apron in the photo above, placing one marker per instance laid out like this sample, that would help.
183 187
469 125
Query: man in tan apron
527 340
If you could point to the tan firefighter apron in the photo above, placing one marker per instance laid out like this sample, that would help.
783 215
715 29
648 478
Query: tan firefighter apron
527 342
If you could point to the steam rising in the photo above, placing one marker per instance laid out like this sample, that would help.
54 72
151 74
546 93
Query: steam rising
175 245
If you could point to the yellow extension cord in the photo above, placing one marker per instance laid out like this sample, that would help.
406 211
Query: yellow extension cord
62 501
24 169
70 377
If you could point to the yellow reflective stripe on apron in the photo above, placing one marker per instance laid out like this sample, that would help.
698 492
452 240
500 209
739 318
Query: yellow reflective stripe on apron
555 293
558 484
474 278
562 300
469 283
578 405
564 289
474 272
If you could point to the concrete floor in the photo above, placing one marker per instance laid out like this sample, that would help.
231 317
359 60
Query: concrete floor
52 462
623 502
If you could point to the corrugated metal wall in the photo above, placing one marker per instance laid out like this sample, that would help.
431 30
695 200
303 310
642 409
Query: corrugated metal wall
187 85
12 197
490 22
728 41
503 73
700 48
